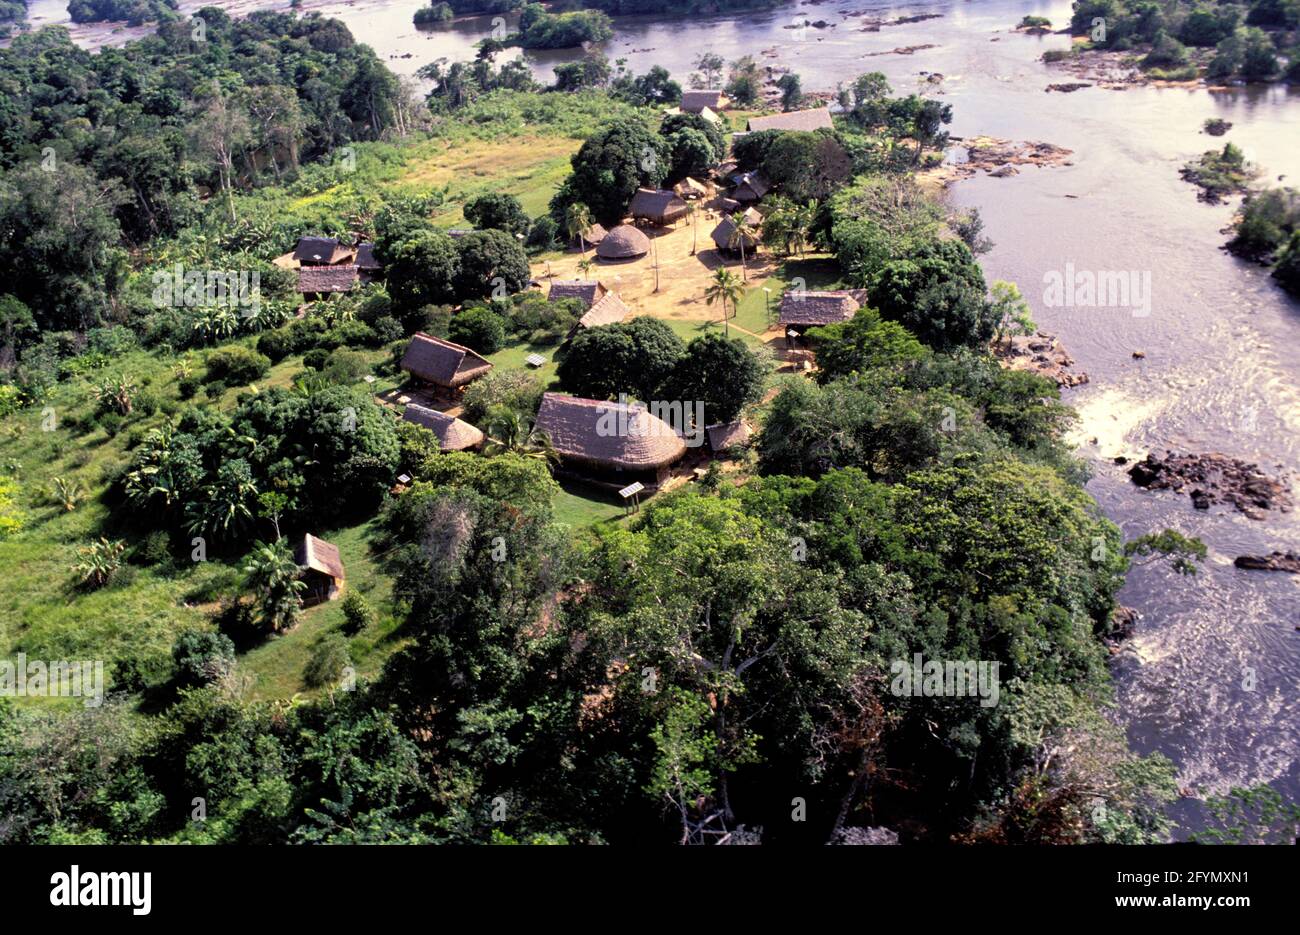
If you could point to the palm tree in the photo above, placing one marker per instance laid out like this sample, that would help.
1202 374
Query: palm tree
724 288
577 221
691 211
584 267
804 219
274 578
741 231
509 432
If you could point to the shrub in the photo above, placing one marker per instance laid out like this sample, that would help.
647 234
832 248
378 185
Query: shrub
188 386
478 328
327 662
345 366
543 235
111 423
202 656
357 613
433 14
156 551
387 330
276 345
316 358
512 389
100 562
236 365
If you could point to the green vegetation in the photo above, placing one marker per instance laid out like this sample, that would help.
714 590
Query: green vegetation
131 12
1220 173
1246 37
435 14
657 677
541 30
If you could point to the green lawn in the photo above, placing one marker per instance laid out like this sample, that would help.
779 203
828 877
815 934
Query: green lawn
278 664
513 356
582 505
133 622
812 274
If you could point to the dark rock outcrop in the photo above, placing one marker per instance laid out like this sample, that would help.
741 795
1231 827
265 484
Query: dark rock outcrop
1274 561
1211 479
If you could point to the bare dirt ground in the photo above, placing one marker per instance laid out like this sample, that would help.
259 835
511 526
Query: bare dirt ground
682 278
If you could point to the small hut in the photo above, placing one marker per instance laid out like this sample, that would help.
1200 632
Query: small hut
815 118
586 291
321 251
803 310
615 443
453 434
322 569
750 187
722 234
727 436
658 206
442 363
694 102
624 242
690 189
712 117
593 235
607 310
317 282
365 260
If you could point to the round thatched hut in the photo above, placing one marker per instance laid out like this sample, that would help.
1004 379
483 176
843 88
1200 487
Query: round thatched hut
623 243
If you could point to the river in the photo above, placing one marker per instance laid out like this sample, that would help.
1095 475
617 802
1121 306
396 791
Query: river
1210 677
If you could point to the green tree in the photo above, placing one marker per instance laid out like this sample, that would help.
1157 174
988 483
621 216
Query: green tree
724 288
498 211
276 583
721 373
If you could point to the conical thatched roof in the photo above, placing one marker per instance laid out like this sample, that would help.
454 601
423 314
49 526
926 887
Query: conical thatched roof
722 233
607 435
593 235
453 434
623 242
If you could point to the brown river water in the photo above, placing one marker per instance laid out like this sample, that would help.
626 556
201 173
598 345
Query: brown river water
1212 674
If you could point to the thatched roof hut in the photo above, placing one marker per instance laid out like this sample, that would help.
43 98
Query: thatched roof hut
712 117
321 251
607 436
800 310
453 434
751 187
657 206
622 243
366 257
322 569
323 280
587 291
593 235
722 233
693 102
607 310
816 118
690 189
725 435
442 363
